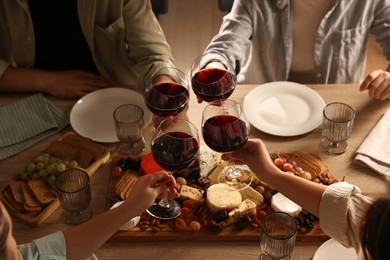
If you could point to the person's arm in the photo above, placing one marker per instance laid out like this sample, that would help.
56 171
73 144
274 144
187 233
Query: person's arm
63 84
94 233
303 192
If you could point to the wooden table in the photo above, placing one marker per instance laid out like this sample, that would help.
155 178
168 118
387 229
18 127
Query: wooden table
368 113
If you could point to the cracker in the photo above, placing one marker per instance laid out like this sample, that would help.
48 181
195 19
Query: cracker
126 183
16 189
80 142
84 158
8 200
29 198
62 150
41 191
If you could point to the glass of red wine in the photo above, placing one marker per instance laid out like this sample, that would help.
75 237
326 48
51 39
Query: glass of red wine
212 77
225 129
174 147
166 95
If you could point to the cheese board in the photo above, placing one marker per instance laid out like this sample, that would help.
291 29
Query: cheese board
150 229
80 149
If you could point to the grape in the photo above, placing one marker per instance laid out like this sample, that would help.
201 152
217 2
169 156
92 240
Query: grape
43 173
73 164
31 167
51 180
24 176
51 168
35 175
61 167
40 165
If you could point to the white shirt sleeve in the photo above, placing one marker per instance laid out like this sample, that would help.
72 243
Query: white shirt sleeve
342 211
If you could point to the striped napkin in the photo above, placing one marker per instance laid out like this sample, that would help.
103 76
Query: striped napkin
374 152
27 122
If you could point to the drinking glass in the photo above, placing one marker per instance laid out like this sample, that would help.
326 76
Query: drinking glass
166 95
277 237
75 195
129 121
337 126
225 129
210 82
174 147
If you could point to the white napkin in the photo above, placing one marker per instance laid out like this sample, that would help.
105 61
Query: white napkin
374 152
27 122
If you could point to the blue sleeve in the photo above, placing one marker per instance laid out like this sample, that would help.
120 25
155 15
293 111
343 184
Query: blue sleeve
48 247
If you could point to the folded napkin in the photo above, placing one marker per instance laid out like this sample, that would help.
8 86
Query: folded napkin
374 152
27 122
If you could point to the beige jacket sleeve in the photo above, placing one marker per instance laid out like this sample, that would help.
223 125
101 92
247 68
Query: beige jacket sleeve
342 211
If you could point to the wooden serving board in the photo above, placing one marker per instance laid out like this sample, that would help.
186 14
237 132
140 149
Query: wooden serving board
309 162
37 218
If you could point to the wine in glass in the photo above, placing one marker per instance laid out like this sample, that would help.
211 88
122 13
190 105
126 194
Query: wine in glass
212 77
174 147
225 129
166 95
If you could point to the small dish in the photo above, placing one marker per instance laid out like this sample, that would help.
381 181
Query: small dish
331 249
131 223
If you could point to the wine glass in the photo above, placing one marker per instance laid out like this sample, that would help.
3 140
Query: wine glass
212 81
166 95
174 147
225 129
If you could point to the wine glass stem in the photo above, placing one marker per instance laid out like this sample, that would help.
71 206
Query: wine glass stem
164 201
233 173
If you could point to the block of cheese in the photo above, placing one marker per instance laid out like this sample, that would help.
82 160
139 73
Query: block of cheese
279 202
220 198
246 208
188 192
251 194
213 176
208 160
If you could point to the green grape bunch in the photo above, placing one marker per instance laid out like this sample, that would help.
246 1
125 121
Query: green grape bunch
46 167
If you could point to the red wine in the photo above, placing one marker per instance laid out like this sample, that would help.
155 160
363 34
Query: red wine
225 133
167 99
213 84
175 151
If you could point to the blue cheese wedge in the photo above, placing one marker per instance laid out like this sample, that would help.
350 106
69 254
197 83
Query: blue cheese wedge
187 192
220 198
246 208
208 160
279 202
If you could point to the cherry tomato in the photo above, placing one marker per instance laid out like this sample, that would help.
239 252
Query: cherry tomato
116 171
287 167
279 161
306 175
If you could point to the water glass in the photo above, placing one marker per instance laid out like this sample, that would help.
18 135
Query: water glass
75 195
129 122
277 238
337 126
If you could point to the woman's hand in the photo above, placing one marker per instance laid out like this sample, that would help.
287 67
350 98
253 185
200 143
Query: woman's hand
378 84
149 187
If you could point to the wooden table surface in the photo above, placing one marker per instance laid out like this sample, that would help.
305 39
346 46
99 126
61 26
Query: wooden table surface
368 112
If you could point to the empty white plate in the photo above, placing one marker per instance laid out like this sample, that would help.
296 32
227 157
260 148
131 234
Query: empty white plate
284 108
92 117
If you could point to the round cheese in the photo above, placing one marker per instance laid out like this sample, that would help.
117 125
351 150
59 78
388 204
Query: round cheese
221 198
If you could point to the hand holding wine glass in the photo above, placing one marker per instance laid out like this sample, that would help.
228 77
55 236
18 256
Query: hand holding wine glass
212 77
174 147
166 95
225 129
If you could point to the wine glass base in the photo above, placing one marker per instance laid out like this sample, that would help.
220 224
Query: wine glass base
131 149
267 257
76 218
170 212
237 177
333 148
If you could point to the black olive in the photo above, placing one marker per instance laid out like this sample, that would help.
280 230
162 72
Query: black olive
221 216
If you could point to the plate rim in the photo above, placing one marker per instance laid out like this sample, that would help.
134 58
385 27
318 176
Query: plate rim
282 84
326 244
147 113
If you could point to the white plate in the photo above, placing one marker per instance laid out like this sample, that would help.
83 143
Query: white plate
331 249
91 116
284 108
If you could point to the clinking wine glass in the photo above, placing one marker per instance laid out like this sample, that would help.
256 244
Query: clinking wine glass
174 147
209 80
225 129
166 95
